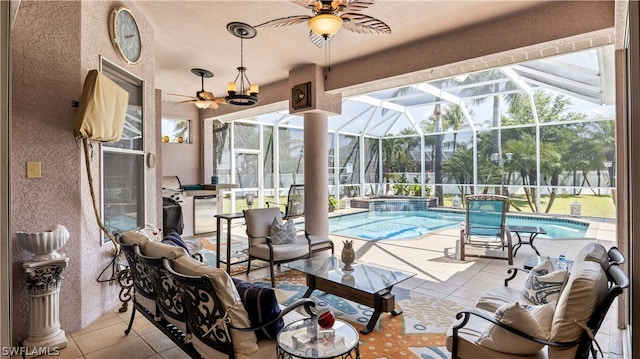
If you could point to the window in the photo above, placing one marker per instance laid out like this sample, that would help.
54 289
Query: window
123 161
177 131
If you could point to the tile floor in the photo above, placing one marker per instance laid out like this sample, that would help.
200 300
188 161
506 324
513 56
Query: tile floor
431 257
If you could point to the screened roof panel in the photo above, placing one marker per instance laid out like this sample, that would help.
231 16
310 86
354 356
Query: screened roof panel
585 77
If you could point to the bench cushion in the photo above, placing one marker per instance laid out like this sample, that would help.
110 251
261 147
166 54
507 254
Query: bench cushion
132 237
159 250
243 342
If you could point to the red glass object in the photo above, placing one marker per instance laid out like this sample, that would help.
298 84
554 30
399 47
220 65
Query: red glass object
326 319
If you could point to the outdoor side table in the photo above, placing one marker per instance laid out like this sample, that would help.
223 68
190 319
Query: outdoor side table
304 339
228 217
533 233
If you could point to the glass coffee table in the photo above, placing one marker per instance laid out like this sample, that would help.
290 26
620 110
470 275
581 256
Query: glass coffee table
304 339
367 284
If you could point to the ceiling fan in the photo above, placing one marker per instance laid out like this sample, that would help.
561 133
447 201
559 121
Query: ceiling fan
203 99
329 16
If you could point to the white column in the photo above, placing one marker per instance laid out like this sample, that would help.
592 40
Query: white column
43 285
316 174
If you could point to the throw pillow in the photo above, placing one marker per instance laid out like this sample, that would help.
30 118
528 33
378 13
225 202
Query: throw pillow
261 303
174 239
528 320
282 232
543 285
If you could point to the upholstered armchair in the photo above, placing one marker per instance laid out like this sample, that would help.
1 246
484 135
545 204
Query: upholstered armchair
262 245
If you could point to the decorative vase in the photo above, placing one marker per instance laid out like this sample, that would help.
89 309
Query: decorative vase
348 255
44 245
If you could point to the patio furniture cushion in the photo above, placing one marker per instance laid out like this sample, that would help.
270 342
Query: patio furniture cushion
533 320
469 347
586 288
593 252
261 304
159 250
132 237
297 249
243 342
282 232
544 284
497 296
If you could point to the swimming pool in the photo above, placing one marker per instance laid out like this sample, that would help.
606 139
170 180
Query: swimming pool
374 225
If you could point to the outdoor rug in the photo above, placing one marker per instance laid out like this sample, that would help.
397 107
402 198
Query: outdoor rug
419 332
238 252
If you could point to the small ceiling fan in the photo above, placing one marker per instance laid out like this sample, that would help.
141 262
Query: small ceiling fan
329 16
203 99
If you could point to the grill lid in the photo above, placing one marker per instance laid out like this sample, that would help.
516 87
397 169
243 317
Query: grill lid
172 183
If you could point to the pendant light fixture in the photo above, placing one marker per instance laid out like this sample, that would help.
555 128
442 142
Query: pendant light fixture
241 92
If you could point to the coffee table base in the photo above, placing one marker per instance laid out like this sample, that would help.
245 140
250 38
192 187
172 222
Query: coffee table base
352 354
381 302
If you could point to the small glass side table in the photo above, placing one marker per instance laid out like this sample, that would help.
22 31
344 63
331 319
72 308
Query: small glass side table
304 339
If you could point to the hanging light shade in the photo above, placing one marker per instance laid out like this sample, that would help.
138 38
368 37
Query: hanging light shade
201 104
241 92
325 25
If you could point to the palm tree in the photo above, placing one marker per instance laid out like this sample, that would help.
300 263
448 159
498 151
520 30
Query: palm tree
453 119
490 85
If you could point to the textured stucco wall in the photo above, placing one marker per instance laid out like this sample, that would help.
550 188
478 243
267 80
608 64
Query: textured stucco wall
54 44
183 159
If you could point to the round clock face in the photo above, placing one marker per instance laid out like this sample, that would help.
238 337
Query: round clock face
126 35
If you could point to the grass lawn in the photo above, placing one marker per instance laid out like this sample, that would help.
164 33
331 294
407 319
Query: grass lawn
591 205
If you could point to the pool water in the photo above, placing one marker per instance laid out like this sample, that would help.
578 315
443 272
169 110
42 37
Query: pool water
412 224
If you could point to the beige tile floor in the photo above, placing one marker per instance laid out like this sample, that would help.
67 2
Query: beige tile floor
432 258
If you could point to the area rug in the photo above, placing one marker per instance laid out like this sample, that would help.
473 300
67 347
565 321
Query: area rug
419 332
238 252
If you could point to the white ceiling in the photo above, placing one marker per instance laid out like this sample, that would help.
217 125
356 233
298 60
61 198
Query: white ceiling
193 34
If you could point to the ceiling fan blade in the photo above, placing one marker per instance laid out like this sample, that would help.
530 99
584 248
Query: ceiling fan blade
213 105
220 100
185 101
285 21
364 24
318 40
305 3
205 96
358 5
175 94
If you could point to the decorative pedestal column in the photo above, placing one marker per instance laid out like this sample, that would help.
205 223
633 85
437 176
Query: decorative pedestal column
43 284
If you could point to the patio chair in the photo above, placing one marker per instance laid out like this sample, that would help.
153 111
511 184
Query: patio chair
261 245
294 207
485 227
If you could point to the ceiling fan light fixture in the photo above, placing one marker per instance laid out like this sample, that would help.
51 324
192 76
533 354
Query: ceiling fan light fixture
202 104
241 92
325 25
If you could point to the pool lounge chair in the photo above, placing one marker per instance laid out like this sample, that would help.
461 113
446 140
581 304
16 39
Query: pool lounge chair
485 228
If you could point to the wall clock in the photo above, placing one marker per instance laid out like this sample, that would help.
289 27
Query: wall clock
301 96
125 35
